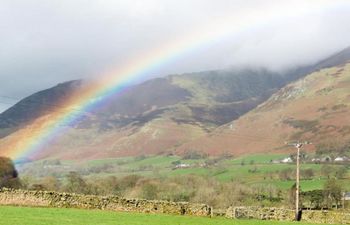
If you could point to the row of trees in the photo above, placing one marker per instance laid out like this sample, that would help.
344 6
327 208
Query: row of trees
196 189
326 171
333 148
331 196
190 188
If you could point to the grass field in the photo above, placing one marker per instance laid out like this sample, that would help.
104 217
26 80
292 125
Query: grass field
10 215
226 170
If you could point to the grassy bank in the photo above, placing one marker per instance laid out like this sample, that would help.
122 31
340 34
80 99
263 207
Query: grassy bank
51 216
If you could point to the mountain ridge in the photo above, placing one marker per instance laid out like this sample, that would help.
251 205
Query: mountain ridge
314 108
159 116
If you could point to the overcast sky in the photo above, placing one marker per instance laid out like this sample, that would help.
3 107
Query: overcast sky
44 42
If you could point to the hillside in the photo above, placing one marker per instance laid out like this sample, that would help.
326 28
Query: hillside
150 118
177 113
36 105
315 108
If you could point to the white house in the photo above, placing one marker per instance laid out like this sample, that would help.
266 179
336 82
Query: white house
287 160
341 159
182 166
316 160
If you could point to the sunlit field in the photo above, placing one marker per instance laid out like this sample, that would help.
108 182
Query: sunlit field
225 170
10 215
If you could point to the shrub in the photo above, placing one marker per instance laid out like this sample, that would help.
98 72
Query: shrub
193 154
8 174
75 183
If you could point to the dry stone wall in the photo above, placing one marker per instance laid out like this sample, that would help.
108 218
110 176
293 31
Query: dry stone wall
114 203
313 216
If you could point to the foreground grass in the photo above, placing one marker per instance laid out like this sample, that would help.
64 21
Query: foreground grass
10 215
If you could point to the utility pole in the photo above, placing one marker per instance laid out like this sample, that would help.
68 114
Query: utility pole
298 145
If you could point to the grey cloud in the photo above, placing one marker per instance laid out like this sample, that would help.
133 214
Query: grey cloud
46 42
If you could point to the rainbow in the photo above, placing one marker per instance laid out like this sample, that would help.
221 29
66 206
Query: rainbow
30 141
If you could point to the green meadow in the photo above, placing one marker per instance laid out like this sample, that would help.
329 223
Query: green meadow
253 169
10 215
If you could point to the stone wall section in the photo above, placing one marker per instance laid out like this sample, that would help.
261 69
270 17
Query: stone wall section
113 203
280 214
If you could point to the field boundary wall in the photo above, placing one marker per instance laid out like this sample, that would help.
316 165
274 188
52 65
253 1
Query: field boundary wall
280 214
112 203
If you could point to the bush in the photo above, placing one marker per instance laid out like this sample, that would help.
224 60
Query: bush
333 148
326 171
286 174
8 174
307 174
149 190
75 183
332 192
340 172
192 154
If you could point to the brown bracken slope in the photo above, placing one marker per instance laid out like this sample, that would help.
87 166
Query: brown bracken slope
315 108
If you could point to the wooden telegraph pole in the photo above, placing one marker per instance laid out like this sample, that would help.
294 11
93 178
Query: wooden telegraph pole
298 145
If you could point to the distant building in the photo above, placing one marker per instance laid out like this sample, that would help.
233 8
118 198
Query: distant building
341 159
347 196
287 160
182 166
316 160
231 126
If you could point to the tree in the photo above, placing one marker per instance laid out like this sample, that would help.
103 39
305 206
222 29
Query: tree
149 190
194 154
50 183
333 192
75 183
8 174
314 198
286 174
336 147
326 171
341 172
175 163
291 195
307 173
